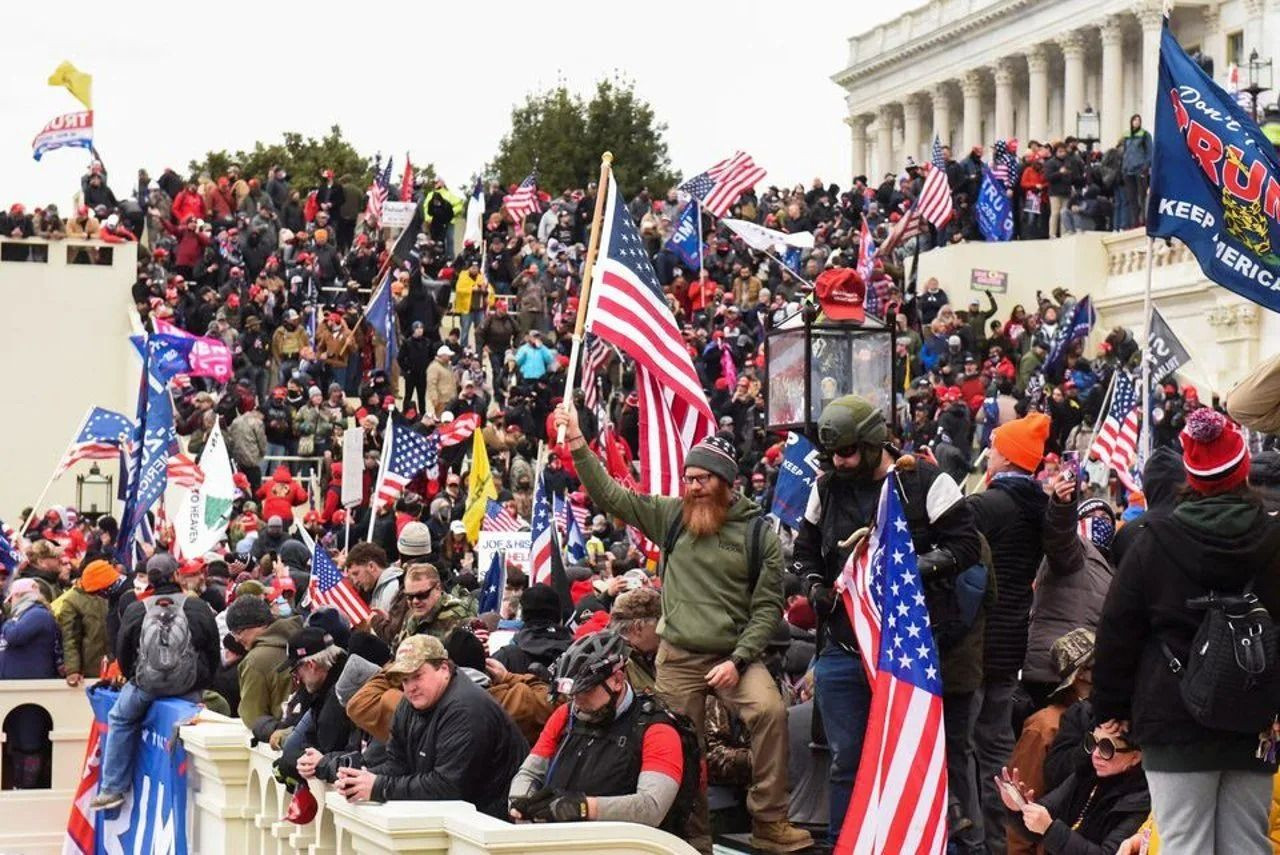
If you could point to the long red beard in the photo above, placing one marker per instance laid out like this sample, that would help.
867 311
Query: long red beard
706 514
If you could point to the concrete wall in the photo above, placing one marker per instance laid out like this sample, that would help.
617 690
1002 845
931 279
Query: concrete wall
63 348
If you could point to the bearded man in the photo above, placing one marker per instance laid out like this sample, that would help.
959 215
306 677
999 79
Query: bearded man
718 613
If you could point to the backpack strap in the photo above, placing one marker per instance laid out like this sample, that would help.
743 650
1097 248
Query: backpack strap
755 546
674 528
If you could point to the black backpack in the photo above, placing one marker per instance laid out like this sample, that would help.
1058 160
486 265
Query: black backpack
694 778
1231 679
755 545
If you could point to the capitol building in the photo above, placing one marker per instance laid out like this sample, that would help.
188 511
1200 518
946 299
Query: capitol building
973 71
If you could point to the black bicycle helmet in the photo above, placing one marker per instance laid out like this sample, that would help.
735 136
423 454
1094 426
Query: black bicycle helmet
589 661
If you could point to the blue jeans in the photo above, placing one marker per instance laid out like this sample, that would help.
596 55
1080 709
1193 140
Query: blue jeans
844 701
466 320
121 744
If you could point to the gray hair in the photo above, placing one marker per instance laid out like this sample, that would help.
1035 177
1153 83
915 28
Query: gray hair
325 658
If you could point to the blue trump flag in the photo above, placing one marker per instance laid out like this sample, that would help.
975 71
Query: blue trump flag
495 582
800 469
1215 180
1070 329
153 817
154 440
381 315
685 239
993 208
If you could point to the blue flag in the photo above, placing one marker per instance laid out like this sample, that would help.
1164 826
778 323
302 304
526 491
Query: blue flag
994 211
381 315
800 469
10 555
1070 329
1215 180
575 543
495 582
685 239
155 440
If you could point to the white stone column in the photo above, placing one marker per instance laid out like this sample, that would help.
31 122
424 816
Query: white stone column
858 138
1214 42
1111 109
1072 45
1037 93
1003 73
1150 18
942 113
1253 28
911 127
884 143
971 88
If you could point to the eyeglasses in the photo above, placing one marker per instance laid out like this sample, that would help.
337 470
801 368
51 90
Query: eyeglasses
419 596
700 480
1106 747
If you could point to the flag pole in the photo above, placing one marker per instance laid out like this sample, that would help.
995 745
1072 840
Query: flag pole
697 203
584 293
1145 351
48 485
387 439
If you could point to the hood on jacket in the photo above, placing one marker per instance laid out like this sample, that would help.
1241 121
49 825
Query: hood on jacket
1233 536
1026 492
543 642
480 678
295 556
279 633
1161 478
355 674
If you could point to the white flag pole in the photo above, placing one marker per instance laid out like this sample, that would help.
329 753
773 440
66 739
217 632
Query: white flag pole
57 471
387 439
1145 445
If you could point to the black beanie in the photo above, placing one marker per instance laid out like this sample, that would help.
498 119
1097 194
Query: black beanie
540 605
368 646
465 650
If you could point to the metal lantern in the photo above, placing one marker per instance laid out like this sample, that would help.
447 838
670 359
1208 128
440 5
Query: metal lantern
94 493
810 362
1259 80
1088 127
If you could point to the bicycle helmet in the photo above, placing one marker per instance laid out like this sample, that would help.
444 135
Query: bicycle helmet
590 661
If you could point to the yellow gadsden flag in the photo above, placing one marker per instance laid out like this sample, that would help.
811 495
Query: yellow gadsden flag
480 487
77 82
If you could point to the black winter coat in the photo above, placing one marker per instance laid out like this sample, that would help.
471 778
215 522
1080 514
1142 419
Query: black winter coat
204 635
1218 544
1010 514
534 646
1092 815
464 747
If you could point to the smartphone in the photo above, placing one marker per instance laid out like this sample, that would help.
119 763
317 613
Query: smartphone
1014 794
1071 465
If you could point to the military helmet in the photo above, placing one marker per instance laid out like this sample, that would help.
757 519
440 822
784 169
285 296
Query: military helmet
851 420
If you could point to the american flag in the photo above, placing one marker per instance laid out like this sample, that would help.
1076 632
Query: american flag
1004 162
184 472
543 535
900 794
571 524
908 226
330 588
405 454
378 192
524 201
592 366
498 518
104 435
566 506
721 186
1117 441
935 196
629 310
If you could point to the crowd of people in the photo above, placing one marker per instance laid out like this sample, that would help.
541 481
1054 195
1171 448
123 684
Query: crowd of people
713 648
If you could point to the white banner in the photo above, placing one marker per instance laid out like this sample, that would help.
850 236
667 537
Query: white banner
763 239
352 466
200 515
514 545
397 215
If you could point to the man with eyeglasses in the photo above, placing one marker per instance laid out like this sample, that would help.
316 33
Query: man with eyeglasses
853 434
721 599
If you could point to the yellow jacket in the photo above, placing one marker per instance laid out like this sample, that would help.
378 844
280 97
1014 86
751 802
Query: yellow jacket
464 293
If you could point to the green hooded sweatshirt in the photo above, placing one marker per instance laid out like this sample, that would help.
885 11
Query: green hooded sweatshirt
707 606
263 687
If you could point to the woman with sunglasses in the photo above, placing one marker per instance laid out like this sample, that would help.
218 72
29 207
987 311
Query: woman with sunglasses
1094 810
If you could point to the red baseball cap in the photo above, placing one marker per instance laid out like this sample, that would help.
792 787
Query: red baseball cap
841 292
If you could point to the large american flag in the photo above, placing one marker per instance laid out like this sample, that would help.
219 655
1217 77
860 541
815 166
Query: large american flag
524 201
592 367
1117 441
330 588
405 454
104 435
447 435
721 186
542 529
899 799
1004 162
378 192
629 310
908 226
183 471
498 518
935 196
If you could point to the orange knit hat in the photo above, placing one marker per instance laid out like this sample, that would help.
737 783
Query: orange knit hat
98 576
1022 440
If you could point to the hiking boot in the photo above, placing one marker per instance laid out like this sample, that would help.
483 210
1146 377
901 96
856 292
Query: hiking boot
778 836
106 801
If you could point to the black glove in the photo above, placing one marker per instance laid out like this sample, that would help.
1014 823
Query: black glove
821 596
937 563
568 807
533 805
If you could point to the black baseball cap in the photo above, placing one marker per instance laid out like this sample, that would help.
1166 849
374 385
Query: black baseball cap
307 641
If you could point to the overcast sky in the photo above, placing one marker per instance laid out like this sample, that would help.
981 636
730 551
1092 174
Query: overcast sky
173 80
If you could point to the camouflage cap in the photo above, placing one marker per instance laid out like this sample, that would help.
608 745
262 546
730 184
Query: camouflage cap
416 651
1070 653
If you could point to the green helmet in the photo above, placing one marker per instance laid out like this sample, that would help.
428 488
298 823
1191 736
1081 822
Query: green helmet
851 420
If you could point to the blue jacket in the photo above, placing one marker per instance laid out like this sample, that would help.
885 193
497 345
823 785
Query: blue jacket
30 646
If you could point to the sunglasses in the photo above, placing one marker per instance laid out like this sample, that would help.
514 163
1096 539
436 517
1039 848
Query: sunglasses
1105 747
419 596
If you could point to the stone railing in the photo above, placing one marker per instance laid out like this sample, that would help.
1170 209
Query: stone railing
237 806
70 253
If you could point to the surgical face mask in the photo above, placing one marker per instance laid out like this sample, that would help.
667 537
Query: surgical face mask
283 609
139 584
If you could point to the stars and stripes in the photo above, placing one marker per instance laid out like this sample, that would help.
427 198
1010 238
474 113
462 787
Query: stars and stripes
497 517
104 435
566 507
593 365
934 204
629 311
378 192
1117 441
523 201
720 187
909 225
405 454
542 533
184 472
330 588
571 524
1004 161
900 794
